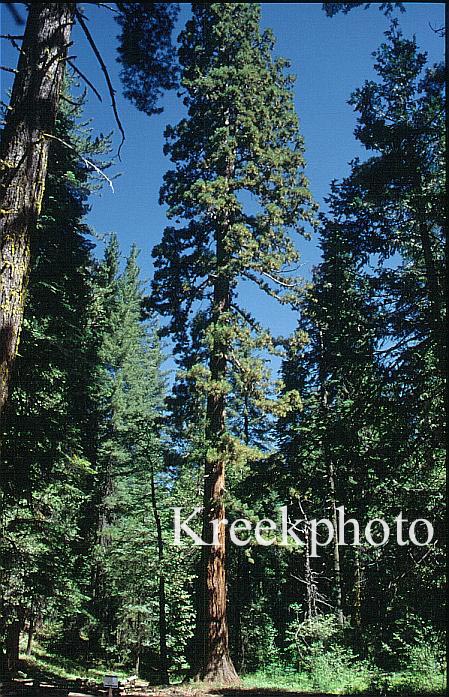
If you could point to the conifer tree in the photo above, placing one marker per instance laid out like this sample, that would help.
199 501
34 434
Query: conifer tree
239 140
146 56
399 190
130 495
376 353
47 478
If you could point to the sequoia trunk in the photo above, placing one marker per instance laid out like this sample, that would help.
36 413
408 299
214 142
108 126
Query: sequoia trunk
23 162
213 659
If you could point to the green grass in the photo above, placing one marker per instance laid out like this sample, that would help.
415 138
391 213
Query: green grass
55 666
355 681
327 676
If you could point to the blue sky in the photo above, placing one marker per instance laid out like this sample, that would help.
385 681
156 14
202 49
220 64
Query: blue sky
330 57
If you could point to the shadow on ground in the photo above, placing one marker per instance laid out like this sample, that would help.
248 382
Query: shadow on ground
51 687
273 692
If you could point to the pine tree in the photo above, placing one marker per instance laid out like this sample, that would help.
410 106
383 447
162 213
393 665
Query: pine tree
333 365
333 8
133 491
240 139
375 349
398 200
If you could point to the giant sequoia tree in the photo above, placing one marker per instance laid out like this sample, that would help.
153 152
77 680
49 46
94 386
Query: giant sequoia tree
238 184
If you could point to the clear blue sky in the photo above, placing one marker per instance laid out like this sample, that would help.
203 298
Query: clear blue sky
330 56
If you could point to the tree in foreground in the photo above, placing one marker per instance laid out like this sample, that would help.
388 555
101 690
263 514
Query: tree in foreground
23 162
45 480
145 53
239 185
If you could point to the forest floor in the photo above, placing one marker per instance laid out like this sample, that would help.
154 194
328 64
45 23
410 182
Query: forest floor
49 675
19 689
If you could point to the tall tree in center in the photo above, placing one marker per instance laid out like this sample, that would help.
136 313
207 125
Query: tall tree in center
239 187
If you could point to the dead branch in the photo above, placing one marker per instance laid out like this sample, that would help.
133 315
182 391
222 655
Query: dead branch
84 159
13 39
285 284
86 79
108 7
104 69
15 14
72 101
9 70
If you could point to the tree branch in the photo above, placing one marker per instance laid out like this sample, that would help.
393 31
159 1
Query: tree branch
86 79
98 56
108 7
285 284
84 159
16 15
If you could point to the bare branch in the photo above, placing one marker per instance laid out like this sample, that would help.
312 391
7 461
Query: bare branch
86 79
98 55
441 31
108 7
285 284
84 159
9 70
16 15
73 102
12 38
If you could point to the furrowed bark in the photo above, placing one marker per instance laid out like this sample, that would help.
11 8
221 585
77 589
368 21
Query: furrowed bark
23 163
214 663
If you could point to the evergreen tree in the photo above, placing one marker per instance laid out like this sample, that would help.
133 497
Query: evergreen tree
375 355
333 8
29 120
145 53
133 493
399 203
46 479
240 139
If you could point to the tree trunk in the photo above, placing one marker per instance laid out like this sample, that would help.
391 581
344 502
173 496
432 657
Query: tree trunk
30 635
163 652
324 397
436 299
213 658
357 590
139 644
23 162
309 576
12 646
336 549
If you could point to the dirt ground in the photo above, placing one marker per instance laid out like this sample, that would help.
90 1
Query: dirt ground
20 689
